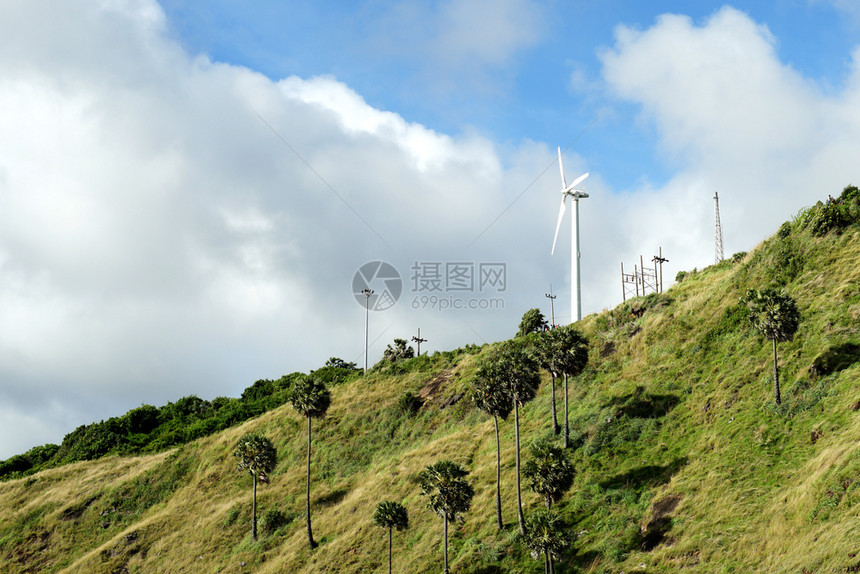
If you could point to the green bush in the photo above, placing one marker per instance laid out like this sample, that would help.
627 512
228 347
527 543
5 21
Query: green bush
831 216
143 419
850 194
272 520
409 403
787 262
260 390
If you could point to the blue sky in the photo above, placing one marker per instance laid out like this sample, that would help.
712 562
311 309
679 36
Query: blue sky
527 87
187 189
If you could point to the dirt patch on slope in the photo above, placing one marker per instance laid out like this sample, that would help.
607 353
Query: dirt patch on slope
434 388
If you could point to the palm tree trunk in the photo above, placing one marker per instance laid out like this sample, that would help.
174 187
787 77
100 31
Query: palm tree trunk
776 396
545 563
254 508
389 549
549 559
555 427
498 475
445 542
308 491
566 423
520 517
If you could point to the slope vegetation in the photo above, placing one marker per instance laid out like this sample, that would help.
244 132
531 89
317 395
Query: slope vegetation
684 463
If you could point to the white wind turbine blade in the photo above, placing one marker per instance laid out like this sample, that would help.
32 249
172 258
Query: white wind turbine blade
561 169
578 180
561 211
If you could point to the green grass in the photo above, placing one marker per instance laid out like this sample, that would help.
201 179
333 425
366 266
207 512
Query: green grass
682 460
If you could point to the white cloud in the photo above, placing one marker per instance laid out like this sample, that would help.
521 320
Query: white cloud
723 85
355 116
736 120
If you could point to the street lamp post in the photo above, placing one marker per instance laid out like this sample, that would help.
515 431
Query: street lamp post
367 293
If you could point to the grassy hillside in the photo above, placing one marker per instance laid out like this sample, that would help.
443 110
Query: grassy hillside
683 461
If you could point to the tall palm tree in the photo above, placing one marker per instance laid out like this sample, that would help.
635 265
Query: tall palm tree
449 493
310 397
774 314
549 471
491 396
569 357
517 373
544 356
391 515
547 535
258 456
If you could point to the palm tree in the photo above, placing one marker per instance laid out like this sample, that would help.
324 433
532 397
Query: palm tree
517 373
546 535
544 356
449 493
569 357
549 471
491 396
310 397
774 314
401 350
258 456
391 515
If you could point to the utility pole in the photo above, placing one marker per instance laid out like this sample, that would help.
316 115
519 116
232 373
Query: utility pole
418 340
660 260
551 298
718 231
367 293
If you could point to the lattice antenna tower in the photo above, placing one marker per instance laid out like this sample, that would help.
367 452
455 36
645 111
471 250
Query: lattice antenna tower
718 231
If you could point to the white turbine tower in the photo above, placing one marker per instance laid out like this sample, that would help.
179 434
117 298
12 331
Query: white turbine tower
576 194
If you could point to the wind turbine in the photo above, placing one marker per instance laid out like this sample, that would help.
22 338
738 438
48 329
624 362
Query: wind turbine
576 194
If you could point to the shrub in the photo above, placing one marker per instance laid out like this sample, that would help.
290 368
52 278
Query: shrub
143 419
787 262
14 464
186 409
260 390
272 520
850 193
409 403
827 217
